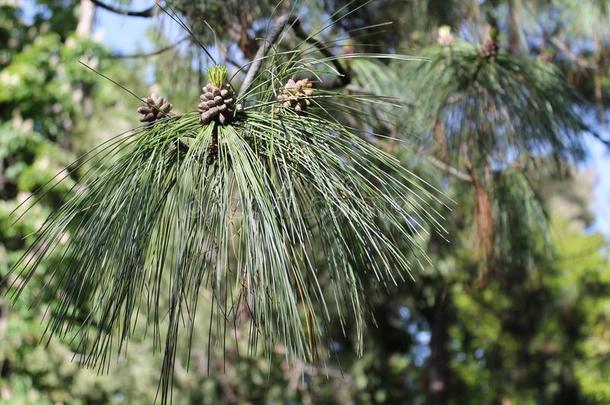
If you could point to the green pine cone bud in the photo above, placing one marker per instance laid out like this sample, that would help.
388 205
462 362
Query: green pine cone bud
217 75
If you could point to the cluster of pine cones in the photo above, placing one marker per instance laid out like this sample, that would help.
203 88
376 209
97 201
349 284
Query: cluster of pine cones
490 49
296 95
217 103
154 108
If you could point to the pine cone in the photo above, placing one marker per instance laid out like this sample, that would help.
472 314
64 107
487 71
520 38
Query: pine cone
490 48
154 108
296 95
217 103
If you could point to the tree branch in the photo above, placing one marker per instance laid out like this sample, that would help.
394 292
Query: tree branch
450 169
149 12
596 135
565 49
148 54
272 38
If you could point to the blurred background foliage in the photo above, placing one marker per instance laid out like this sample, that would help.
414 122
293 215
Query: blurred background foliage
514 309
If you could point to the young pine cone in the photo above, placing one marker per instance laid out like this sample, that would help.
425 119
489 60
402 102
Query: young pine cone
296 95
490 48
217 103
154 108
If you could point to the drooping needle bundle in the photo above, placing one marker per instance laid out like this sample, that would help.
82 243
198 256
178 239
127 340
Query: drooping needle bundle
253 205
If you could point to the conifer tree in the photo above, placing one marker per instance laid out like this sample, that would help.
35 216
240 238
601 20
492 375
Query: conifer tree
278 207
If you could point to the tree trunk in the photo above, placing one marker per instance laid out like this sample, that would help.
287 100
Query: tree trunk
82 93
438 363
86 18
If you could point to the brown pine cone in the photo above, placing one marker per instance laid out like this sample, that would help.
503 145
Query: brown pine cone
296 95
490 49
154 109
217 103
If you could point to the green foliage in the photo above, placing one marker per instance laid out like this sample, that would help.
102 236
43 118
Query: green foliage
520 221
584 285
41 82
314 214
491 109
240 211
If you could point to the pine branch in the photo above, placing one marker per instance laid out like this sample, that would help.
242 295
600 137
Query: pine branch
530 99
273 37
146 13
